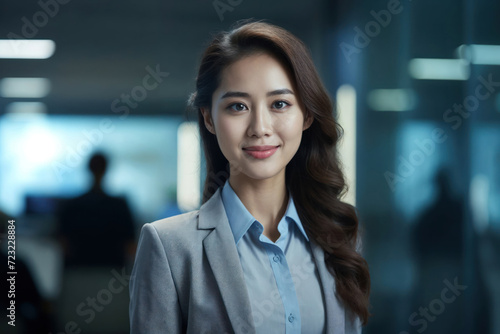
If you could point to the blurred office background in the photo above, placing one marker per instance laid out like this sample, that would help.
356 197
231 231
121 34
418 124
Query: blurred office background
417 85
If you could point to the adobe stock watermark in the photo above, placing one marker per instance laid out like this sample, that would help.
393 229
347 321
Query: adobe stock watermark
31 27
139 93
92 138
372 29
222 6
436 307
454 117
87 309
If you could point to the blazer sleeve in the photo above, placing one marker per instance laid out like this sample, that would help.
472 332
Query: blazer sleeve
154 304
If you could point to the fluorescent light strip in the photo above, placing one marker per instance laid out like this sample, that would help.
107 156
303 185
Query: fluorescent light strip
392 99
478 199
346 108
439 69
26 108
480 54
27 48
24 87
188 166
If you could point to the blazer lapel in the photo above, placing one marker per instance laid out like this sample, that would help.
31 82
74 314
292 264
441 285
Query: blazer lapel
224 260
335 313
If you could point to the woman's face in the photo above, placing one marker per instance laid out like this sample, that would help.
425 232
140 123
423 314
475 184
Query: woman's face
256 117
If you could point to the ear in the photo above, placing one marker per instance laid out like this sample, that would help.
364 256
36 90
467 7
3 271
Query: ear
307 121
207 117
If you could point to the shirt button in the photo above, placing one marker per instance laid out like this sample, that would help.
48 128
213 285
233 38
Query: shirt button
291 318
276 258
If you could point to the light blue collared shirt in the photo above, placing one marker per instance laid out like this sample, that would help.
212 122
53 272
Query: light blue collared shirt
281 277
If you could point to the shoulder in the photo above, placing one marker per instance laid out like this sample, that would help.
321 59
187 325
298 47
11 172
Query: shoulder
183 223
176 232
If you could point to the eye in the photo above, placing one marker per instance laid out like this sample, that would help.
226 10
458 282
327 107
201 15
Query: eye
237 106
280 104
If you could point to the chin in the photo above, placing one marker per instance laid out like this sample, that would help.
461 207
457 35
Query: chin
260 174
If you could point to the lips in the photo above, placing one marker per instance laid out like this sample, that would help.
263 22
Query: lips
261 152
260 148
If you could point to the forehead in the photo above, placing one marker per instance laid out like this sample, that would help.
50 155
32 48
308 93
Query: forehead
255 71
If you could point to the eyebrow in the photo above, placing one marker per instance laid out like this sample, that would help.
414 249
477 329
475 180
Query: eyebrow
281 91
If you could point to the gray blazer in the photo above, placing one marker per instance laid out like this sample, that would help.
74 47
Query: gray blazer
187 278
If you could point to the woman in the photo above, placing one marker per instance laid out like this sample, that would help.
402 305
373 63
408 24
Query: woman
272 249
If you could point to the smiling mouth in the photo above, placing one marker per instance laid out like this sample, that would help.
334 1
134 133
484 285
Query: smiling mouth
260 148
261 152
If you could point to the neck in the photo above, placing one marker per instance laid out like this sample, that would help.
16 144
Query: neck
265 199
97 184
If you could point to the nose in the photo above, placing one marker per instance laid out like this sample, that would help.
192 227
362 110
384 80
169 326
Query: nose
260 122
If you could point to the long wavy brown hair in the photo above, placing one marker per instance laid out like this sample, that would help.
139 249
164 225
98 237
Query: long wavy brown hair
318 182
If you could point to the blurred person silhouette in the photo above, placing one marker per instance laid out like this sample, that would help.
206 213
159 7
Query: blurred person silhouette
438 231
439 249
438 246
32 311
96 229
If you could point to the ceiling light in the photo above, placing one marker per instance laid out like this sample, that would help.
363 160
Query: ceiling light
27 48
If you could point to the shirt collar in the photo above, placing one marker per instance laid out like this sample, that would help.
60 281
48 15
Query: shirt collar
240 219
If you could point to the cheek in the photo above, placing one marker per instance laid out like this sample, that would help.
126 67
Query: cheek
228 132
291 127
